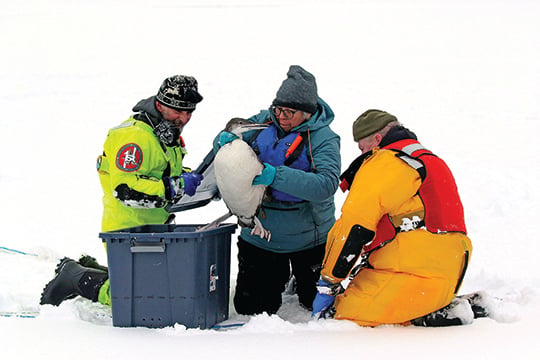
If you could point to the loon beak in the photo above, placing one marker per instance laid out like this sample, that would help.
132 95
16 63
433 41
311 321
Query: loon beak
254 126
249 127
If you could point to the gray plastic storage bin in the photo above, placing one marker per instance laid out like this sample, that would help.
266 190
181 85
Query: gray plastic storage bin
166 274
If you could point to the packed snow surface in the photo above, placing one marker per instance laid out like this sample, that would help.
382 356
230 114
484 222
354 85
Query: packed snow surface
464 75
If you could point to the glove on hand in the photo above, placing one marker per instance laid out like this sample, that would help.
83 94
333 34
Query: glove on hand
177 186
173 188
223 138
326 295
191 181
266 177
226 137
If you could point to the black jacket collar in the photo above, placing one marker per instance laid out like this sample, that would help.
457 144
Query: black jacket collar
395 134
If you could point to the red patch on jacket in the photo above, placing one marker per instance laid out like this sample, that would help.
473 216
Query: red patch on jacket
129 158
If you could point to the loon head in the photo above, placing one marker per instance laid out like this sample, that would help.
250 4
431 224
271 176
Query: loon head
239 125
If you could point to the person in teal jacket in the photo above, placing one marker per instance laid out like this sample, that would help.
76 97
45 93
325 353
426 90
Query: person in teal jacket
302 162
142 174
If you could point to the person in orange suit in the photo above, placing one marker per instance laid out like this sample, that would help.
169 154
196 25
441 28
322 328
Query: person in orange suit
400 245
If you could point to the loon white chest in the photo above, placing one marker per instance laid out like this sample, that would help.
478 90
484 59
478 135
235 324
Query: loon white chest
235 167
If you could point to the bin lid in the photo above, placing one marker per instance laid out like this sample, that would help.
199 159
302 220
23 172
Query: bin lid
157 232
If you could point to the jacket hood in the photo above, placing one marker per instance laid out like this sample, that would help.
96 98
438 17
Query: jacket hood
148 106
321 118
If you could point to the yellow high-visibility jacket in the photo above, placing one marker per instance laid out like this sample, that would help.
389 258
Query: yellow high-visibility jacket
131 170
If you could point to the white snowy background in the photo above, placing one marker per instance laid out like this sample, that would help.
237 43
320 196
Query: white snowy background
463 74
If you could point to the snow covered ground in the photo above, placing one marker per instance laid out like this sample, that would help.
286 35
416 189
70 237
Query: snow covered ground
463 74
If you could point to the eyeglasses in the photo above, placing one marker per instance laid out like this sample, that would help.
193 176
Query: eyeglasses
287 113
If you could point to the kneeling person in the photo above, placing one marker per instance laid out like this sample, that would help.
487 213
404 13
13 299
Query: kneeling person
403 223
141 174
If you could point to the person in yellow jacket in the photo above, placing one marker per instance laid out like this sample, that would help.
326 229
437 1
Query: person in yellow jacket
401 242
142 174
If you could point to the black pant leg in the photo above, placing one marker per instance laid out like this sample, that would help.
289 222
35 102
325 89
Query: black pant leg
306 268
262 276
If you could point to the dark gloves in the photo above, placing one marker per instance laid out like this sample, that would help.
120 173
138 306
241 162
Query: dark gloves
191 181
177 186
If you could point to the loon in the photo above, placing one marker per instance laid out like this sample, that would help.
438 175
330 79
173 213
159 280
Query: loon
235 166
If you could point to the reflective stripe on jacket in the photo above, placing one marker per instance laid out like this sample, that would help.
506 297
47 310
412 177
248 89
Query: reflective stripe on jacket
443 210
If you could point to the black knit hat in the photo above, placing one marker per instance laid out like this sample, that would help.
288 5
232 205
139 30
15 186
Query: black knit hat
298 91
179 92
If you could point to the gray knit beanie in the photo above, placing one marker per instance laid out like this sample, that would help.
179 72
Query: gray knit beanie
298 91
370 122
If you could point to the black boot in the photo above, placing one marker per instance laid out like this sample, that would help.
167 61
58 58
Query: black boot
480 303
84 260
91 262
458 312
71 280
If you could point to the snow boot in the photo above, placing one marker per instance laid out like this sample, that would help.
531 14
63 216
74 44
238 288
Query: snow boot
84 260
91 262
73 279
458 312
479 302
57 270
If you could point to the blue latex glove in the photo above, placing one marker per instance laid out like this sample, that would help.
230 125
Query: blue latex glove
324 300
266 177
191 181
223 138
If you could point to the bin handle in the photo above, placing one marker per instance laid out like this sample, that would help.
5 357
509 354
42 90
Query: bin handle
147 247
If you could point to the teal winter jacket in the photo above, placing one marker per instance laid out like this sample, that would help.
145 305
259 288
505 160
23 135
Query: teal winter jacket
303 224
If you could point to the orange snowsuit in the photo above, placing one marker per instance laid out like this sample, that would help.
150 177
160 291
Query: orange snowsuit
404 214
